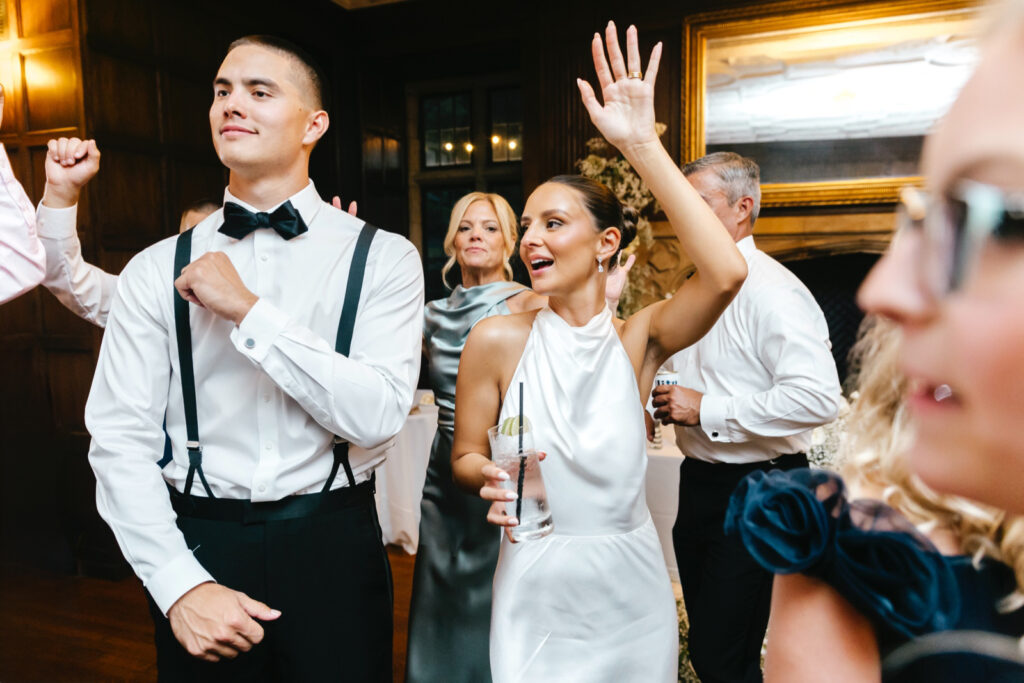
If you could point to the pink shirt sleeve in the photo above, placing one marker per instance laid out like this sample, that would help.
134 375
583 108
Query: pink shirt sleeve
22 258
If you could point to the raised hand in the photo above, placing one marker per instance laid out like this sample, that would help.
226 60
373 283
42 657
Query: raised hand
626 119
70 164
616 281
336 203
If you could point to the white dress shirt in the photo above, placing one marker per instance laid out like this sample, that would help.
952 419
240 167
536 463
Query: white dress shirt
22 258
271 393
765 369
84 289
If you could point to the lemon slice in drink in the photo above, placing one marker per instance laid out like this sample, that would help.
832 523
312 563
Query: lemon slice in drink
510 426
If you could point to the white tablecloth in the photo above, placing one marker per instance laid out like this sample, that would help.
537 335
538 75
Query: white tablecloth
663 492
400 479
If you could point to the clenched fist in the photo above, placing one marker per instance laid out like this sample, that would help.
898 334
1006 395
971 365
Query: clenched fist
212 282
70 164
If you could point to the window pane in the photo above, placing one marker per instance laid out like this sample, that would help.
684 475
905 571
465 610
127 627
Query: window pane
506 124
432 148
446 130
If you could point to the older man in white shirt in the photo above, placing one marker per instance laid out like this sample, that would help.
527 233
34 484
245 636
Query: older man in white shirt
262 556
749 394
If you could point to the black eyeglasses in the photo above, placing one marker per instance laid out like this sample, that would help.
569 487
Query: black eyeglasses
955 226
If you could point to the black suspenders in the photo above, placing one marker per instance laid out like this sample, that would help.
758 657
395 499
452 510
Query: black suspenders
183 329
343 343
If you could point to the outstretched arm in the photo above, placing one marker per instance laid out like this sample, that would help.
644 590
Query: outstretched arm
626 119
84 289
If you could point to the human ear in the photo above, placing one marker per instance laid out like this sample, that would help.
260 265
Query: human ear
318 124
608 243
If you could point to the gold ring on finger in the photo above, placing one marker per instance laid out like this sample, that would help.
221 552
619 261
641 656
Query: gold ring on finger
635 74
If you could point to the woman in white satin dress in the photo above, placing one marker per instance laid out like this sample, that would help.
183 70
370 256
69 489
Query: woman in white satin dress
591 601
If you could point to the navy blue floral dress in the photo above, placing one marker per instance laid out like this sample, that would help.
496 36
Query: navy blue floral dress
800 521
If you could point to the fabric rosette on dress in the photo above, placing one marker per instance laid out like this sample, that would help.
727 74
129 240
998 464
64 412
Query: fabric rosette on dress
801 521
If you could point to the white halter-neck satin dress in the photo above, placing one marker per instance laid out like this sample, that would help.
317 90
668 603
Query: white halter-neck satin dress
591 601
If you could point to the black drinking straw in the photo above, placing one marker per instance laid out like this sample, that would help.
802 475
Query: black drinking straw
522 458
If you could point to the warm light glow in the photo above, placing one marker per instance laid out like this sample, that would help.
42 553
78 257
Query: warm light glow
512 144
448 146
469 146
495 139
40 76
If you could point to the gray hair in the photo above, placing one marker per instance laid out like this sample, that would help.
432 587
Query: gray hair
740 176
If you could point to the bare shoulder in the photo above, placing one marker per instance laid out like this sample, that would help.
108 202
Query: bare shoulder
501 334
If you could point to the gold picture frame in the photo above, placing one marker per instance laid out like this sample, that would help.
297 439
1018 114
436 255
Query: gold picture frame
800 18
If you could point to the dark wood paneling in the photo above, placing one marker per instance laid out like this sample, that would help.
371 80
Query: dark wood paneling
20 317
58 320
70 375
124 25
43 16
188 119
50 81
190 181
126 107
35 182
124 195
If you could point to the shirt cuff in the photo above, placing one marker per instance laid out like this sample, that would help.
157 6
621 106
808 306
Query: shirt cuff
714 410
256 334
176 578
56 224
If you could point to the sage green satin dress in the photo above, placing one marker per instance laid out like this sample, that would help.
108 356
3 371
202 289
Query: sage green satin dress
450 614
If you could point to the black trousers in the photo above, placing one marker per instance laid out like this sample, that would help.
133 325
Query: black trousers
727 594
329 575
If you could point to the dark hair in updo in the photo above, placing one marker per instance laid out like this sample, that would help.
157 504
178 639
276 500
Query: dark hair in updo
605 207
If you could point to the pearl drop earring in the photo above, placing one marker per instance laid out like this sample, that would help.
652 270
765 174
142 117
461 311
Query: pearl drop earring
600 266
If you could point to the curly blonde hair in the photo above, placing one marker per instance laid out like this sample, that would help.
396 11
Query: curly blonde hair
506 222
871 455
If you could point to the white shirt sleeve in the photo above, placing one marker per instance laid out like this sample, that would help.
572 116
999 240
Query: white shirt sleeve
792 343
364 397
84 289
124 415
22 258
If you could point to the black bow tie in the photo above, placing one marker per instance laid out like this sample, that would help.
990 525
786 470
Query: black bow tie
239 221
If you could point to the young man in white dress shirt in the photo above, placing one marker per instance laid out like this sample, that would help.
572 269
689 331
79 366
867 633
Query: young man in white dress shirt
749 394
268 567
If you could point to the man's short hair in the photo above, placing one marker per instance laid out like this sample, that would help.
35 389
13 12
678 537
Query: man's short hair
303 60
740 176
205 205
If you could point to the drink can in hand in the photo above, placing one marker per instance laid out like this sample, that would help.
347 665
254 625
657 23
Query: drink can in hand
666 377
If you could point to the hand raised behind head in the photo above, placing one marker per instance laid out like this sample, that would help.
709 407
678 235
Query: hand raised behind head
213 622
626 119
617 278
336 203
